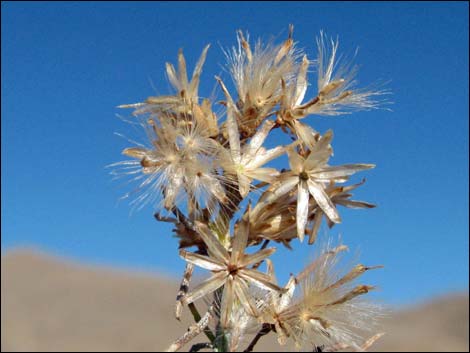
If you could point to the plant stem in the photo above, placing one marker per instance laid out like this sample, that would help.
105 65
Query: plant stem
221 341
198 346
264 331
192 332
197 318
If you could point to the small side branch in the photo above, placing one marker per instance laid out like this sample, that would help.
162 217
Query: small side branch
184 287
182 218
192 332
197 318
264 331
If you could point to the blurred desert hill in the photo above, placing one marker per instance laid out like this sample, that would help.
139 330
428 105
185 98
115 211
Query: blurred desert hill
49 304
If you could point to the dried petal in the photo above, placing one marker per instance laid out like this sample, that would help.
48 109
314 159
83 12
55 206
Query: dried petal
207 287
260 279
323 201
258 256
202 261
302 209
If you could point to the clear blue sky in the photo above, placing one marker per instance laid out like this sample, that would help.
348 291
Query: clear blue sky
66 66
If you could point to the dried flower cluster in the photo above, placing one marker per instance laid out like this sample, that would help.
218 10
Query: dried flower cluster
208 174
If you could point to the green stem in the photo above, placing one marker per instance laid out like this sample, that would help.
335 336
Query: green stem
221 343
197 318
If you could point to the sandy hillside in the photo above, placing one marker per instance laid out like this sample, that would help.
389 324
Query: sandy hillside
52 305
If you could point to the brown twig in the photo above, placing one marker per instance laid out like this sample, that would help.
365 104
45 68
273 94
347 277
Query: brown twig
197 318
182 218
192 332
267 328
184 287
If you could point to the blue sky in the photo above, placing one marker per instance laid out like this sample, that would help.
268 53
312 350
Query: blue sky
66 66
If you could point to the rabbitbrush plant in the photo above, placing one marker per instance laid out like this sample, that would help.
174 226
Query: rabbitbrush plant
207 172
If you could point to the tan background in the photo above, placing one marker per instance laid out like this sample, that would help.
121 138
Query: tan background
52 305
